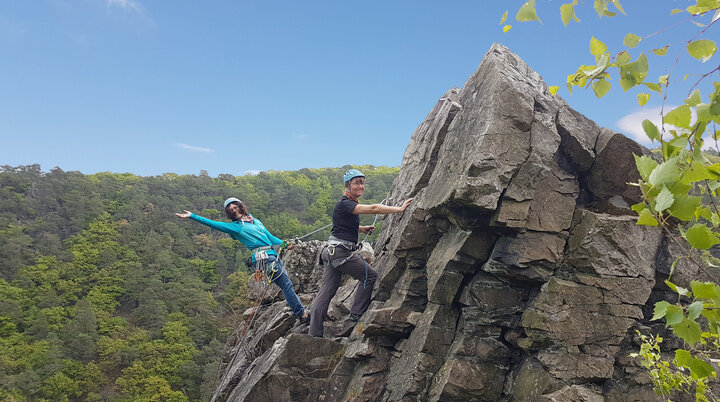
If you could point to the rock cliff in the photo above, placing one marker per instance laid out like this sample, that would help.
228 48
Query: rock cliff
518 273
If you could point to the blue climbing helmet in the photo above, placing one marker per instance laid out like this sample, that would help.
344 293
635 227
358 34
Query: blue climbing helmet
229 200
351 174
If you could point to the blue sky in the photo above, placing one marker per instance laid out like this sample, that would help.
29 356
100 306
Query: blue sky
149 87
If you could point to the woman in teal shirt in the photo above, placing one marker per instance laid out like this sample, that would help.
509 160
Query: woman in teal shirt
252 234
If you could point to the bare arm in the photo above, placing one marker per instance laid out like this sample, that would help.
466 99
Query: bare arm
380 209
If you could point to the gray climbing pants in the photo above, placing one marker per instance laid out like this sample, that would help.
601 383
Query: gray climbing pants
356 267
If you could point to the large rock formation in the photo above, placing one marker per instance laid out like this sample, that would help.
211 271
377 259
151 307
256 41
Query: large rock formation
518 272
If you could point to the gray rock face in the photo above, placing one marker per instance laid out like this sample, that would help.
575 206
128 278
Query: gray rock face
518 273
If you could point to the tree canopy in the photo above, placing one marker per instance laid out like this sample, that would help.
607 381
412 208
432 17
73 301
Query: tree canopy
106 295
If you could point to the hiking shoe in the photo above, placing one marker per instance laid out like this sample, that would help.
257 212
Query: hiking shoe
305 319
354 317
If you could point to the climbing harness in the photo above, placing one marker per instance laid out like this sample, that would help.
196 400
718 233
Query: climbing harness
264 265
264 268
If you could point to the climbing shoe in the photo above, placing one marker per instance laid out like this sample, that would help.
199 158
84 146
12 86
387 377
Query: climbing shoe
354 317
305 319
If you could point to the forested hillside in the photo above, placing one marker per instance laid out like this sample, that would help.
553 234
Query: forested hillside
106 295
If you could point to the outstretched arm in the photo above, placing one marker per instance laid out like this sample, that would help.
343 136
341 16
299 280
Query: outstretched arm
275 241
380 208
221 226
184 214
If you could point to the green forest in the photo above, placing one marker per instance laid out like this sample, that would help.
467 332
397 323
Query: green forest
106 295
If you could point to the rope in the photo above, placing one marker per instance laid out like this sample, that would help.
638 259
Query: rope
373 224
306 235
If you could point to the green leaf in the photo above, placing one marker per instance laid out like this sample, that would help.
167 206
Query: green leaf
651 130
622 58
704 212
503 18
507 28
676 10
684 206
702 49
660 309
631 40
695 309
677 289
653 87
597 47
700 172
663 79
679 117
703 112
643 98
712 319
701 237
704 290
714 170
601 87
639 207
700 369
674 315
675 146
664 200
645 165
618 6
634 73
601 7
567 13
527 12
688 330
661 51
682 358
694 99
666 173
646 218
553 89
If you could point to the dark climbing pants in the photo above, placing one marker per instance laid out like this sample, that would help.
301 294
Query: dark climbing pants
356 267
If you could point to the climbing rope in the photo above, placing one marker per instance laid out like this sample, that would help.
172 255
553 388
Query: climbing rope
372 241
306 235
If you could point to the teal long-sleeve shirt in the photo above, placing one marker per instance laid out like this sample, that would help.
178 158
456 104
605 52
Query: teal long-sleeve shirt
251 234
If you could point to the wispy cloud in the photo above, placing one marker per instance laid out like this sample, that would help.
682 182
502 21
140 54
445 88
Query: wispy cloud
631 124
131 9
193 148
251 172
125 4
300 137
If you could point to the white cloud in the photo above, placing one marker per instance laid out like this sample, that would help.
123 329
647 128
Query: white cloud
126 4
251 172
193 148
632 123
300 137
